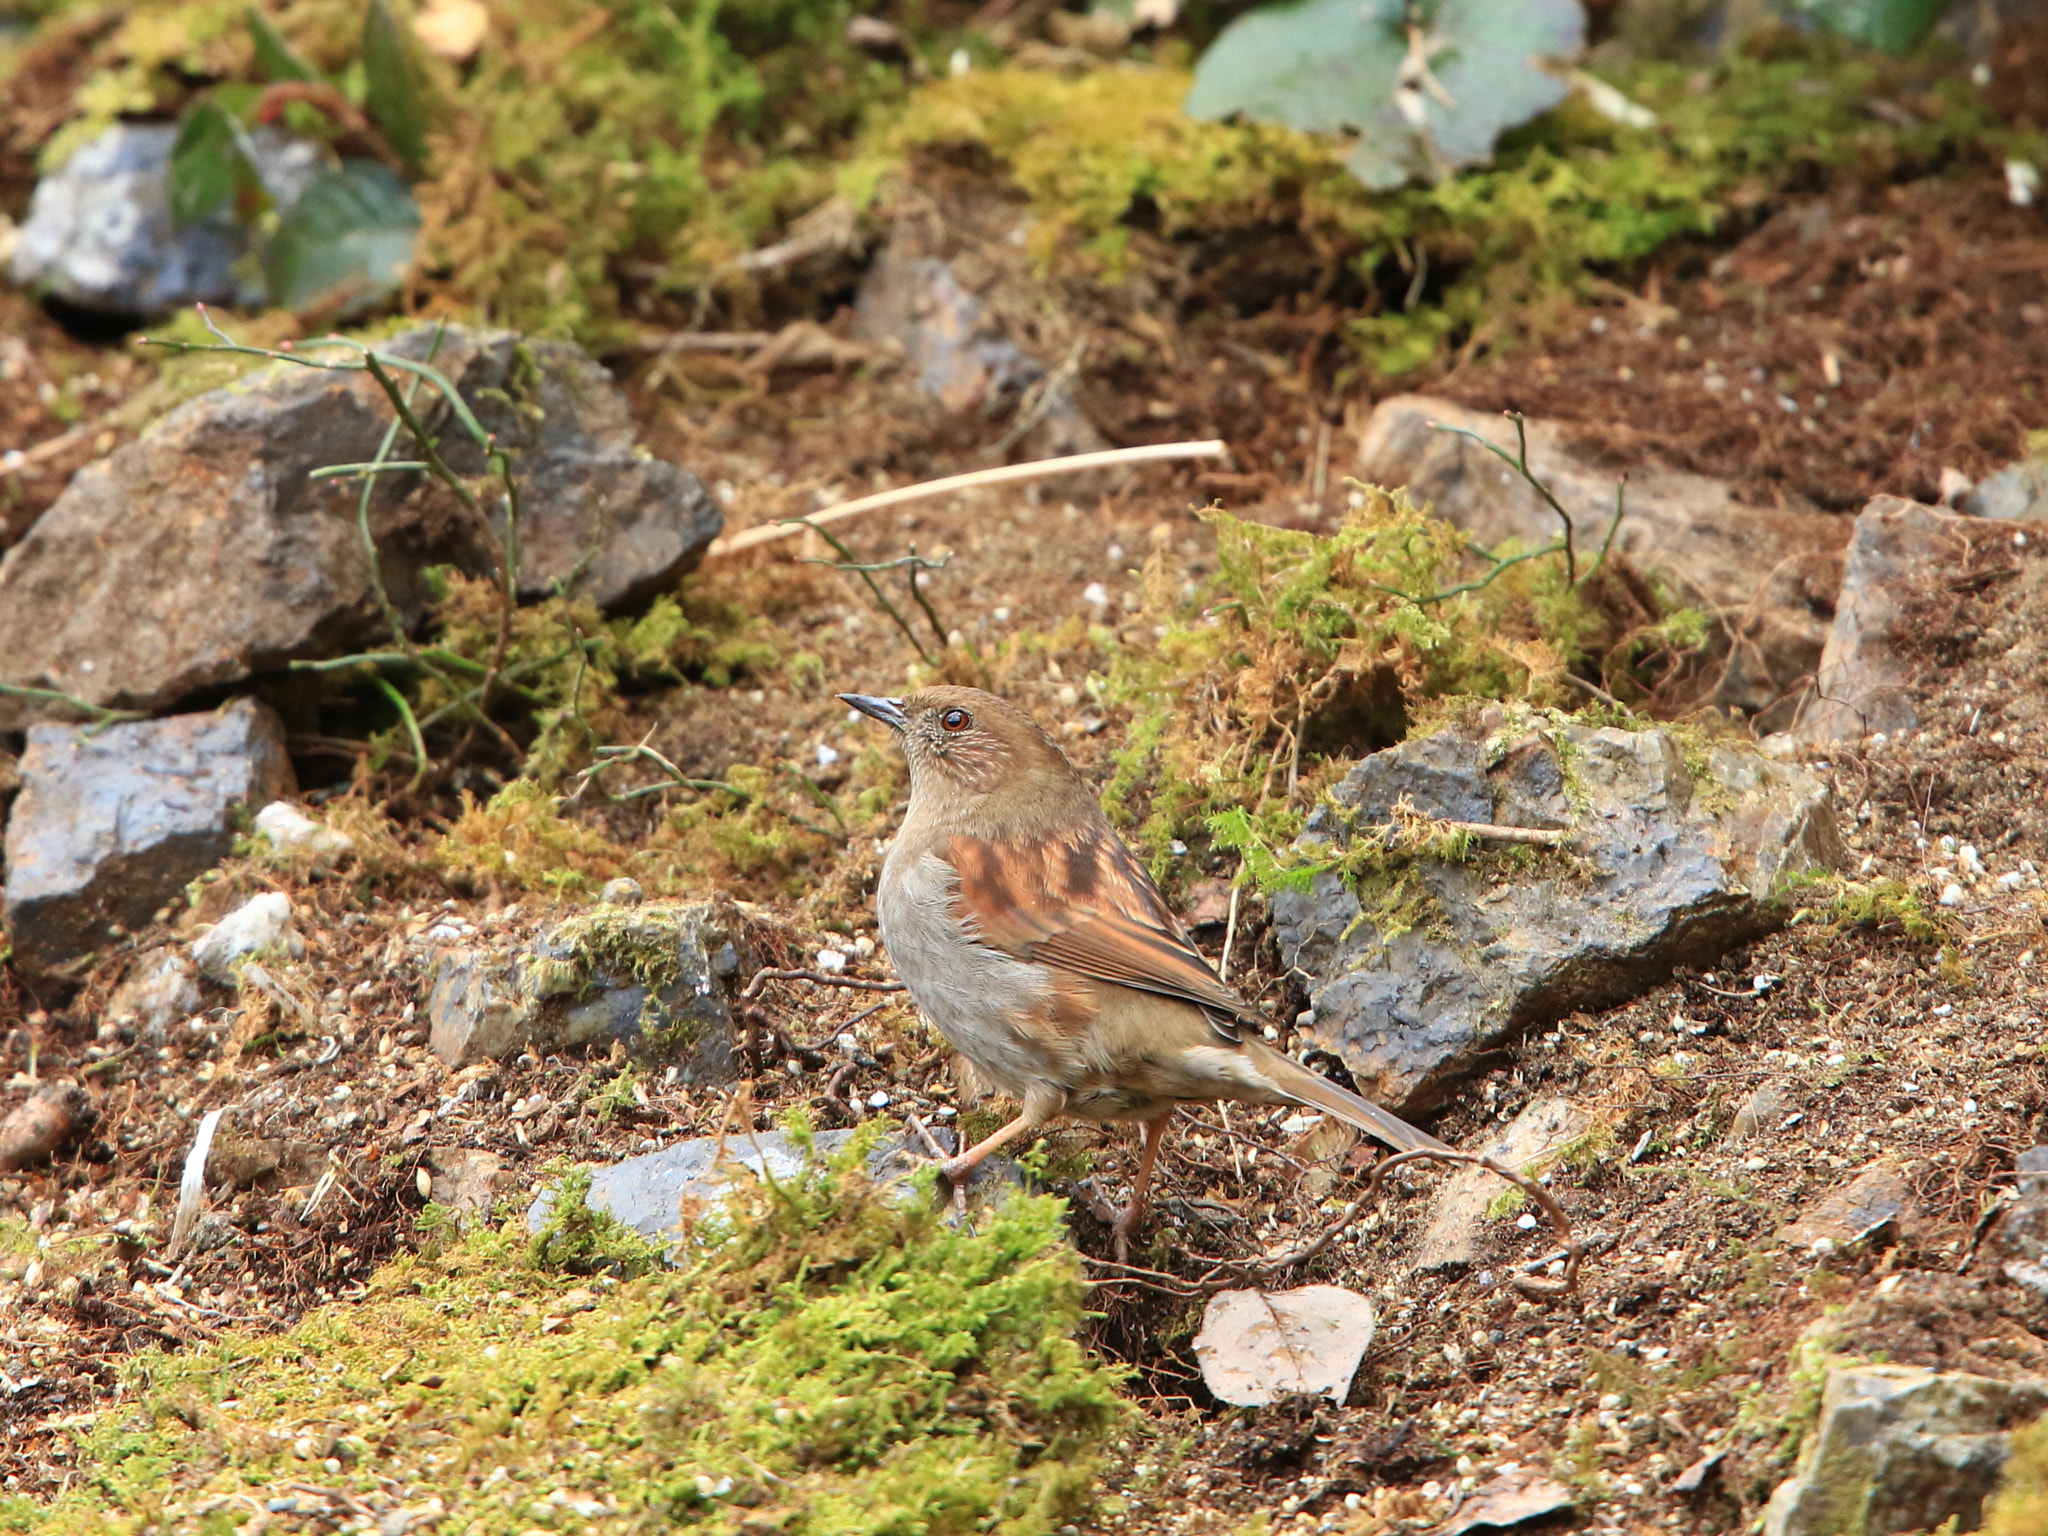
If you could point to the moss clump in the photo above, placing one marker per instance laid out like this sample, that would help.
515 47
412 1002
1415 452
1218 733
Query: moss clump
825 1363
1567 199
1303 647
2020 1507
1885 905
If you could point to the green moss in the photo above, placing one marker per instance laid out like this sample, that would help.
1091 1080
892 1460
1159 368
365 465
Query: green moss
1301 641
1567 199
1884 905
825 1363
2020 1507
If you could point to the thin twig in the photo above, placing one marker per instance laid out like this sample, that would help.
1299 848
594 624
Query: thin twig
819 978
1008 474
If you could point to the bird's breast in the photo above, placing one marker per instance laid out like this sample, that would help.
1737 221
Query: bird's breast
983 1001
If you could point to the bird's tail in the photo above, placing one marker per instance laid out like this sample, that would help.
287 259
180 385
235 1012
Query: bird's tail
1305 1087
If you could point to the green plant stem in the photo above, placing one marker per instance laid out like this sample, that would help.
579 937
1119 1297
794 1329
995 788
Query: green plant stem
412 729
101 715
1520 464
380 366
1620 495
865 573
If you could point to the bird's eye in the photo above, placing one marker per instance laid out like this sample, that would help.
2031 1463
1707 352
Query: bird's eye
956 720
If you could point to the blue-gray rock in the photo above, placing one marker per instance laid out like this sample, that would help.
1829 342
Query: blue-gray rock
99 233
112 824
653 976
1902 1448
1672 852
203 553
658 1194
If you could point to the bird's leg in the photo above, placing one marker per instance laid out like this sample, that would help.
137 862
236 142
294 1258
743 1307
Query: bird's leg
1153 1137
956 1170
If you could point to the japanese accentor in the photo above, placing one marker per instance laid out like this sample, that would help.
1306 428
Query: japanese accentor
1037 944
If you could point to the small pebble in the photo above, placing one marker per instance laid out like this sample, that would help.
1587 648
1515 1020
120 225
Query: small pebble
1526 1222
831 960
878 1100
1952 895
1095 592
826 756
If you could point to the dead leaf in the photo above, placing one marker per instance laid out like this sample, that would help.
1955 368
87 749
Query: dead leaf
1508 1500
1257 1347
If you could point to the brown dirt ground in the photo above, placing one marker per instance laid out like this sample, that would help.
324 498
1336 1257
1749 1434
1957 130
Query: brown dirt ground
1677 1343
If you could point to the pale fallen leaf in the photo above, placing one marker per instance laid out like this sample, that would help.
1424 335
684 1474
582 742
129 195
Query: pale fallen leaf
452 29
1508 1500
1257 1347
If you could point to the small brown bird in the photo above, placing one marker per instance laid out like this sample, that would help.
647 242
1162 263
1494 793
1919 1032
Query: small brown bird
1040 948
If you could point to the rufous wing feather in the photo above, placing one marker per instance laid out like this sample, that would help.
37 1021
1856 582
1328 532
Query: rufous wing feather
1084 903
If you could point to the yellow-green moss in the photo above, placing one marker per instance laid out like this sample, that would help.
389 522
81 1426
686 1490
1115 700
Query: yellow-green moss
826 1363
2020 1507
1567 198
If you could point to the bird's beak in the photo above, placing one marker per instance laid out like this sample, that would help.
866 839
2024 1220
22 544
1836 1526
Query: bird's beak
888 711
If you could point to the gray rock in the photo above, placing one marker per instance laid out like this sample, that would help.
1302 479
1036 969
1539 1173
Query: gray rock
1901 1448
160 989
1672 855
112 824
1899 548
654 976
2023 1233
2017 493
99 232
658 1195
466 1181
1777 568
1875 1199
1457 1220
957 344
202 553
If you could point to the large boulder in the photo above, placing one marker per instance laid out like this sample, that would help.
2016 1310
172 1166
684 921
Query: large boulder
1898 549
99 234
203 552
1671 850
113 823
1771 573
1902 1448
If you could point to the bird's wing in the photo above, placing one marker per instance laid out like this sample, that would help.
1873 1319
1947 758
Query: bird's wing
1082 902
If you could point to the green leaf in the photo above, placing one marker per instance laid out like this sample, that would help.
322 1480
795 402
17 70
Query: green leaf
345 243
275 59
1423 101
394 89
1893 25
209 164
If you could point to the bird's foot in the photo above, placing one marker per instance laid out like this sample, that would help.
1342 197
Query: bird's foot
957 1174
